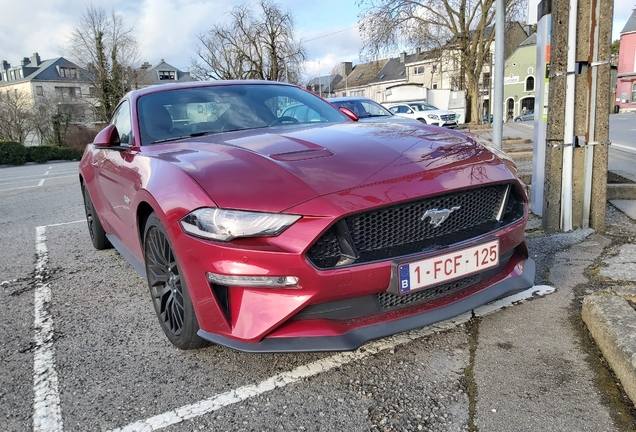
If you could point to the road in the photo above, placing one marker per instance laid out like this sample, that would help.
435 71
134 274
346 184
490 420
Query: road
80 348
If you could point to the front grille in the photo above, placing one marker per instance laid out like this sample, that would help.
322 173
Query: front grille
399 230
447 117
392 301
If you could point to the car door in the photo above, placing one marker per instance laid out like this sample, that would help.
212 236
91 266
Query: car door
118 178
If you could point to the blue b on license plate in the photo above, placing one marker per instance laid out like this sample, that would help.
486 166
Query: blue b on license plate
447 267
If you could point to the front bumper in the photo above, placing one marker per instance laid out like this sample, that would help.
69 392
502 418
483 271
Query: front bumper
354 338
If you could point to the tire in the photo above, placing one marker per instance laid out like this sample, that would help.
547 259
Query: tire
422 120
168 290
95 228
517 120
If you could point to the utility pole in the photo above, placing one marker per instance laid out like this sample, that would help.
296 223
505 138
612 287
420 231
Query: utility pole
577 135
500 31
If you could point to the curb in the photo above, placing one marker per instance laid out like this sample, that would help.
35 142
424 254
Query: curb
611 321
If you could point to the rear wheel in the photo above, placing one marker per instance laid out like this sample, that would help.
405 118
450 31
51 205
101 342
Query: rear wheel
168 290
95 229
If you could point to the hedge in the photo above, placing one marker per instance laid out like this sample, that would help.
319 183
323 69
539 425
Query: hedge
14 153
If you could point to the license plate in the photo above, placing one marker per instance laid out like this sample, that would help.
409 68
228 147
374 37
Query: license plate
447 267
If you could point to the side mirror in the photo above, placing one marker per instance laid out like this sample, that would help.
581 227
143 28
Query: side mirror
107 137
349 113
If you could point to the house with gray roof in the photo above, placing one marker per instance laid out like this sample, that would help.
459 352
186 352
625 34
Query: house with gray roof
324 85
57 84
162 73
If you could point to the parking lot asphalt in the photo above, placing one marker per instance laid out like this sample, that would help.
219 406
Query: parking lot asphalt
80 348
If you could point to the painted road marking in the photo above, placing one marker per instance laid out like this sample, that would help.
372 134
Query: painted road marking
47 414
625 148
240 394
47 410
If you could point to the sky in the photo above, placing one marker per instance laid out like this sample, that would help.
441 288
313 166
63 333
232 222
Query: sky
167 29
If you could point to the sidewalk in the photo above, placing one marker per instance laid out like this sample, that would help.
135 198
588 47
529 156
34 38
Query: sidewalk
595 281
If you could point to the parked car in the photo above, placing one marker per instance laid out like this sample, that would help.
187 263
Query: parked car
424 112
528 115
366 110
263 233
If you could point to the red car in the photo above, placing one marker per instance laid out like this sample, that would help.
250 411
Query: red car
265 234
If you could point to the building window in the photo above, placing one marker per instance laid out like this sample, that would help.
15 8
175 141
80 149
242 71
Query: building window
68 72
418 70
92 91
167 75
75 92
12 73
633 92
4 76
435 86
530 84
39 91
357 93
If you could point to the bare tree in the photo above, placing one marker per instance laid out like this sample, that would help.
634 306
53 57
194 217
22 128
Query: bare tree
457 26
251 45
16 115
106 49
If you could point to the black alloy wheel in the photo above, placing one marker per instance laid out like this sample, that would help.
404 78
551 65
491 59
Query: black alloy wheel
95 229
168 290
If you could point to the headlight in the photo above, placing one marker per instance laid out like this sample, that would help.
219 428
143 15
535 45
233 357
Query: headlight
225 225
432 116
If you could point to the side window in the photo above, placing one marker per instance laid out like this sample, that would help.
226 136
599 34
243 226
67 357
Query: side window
301 113
121 119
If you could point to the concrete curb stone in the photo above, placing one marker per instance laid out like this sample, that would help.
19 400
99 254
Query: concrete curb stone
612 323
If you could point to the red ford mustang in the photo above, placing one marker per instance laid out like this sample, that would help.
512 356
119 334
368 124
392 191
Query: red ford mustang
263 233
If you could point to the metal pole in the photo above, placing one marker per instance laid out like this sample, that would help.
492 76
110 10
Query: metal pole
568 127
497 127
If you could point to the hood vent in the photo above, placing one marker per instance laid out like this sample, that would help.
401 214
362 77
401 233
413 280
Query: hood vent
302 155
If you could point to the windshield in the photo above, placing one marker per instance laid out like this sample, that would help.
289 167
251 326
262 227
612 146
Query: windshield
363 107
189 112
421 106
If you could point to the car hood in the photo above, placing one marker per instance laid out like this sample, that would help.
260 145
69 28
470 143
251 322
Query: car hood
274 169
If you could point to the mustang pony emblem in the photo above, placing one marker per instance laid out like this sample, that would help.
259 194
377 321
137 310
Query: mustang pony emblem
438 216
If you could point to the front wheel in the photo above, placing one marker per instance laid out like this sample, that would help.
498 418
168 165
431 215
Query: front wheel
170 296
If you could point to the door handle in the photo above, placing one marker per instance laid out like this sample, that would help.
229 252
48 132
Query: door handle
95 163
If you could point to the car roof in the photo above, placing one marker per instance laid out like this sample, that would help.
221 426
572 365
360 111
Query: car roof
159 88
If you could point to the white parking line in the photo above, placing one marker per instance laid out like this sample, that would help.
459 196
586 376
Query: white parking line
47 415
323 365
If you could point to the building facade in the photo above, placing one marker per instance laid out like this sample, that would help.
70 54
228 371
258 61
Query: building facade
47 87
520 75
626 73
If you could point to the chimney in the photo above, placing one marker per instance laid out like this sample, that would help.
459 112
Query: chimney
418 51
145 66
25 61
347 67
35 59
5 65
402 57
